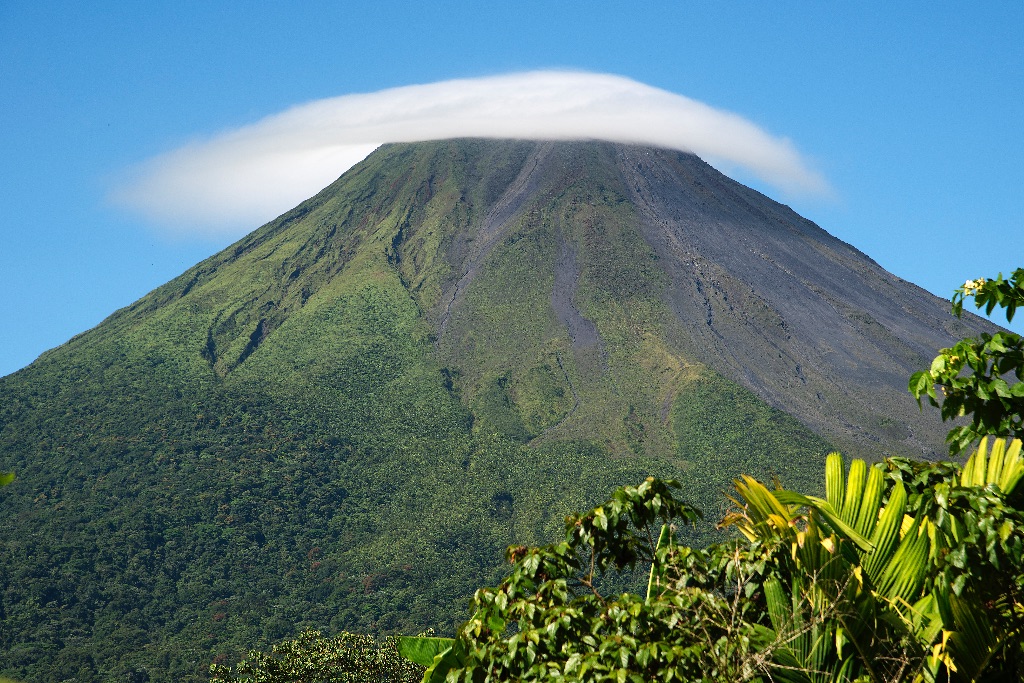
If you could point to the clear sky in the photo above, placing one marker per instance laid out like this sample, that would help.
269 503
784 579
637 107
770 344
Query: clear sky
912 112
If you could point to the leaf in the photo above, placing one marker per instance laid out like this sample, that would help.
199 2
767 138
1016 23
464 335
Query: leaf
421 649
973 642
453 657
780 607
920 383
1003 467
830 515
664 538
835 477
886 532
870 505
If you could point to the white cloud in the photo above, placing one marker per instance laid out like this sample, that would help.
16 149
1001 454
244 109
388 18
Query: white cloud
239 179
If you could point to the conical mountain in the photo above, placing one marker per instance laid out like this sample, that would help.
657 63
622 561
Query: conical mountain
342 420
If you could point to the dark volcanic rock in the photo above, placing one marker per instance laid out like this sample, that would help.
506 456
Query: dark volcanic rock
765 297
806 321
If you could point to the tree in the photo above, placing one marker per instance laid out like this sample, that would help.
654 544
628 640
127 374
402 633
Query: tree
550 619
905 571
909 570
313 658
994 405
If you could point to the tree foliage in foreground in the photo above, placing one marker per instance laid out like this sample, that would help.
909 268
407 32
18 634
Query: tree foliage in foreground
994 405
905 571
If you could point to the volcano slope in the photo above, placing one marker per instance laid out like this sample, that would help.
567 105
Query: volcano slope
342 420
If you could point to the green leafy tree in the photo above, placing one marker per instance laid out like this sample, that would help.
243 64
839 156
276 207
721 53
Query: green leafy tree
972 375
550 619
312 658
904 571
909 571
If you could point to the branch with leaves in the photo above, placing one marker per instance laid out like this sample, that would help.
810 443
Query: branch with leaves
980 377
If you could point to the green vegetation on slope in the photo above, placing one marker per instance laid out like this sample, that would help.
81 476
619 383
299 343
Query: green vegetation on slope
720 427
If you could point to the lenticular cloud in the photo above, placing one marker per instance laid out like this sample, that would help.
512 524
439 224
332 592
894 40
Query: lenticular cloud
241 178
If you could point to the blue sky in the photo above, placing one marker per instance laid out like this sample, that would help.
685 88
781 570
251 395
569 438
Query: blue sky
911 114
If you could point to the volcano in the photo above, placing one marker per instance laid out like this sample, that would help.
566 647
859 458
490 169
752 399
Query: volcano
343 419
